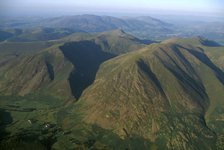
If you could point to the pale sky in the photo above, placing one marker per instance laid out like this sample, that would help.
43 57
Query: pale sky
88 6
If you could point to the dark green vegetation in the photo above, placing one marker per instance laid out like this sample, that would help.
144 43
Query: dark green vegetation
86 56
110 90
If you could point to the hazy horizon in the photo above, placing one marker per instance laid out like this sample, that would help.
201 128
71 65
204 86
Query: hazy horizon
115 7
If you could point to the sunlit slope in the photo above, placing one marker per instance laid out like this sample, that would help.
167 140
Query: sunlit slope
216 54
44 71
214 58
168 93
62 68
213 50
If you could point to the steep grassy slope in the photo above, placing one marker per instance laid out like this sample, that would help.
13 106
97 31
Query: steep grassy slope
216 55
25 68
53 67
170 94
214 115
119 42
36 72
164 96
212 49
40 80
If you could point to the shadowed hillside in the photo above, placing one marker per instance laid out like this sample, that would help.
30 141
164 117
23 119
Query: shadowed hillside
86 57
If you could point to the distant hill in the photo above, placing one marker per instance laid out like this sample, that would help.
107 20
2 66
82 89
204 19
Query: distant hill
92 23
143 27
153 21
88 23
35 34
5 35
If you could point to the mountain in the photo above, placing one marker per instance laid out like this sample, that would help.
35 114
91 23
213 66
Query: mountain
35 34
5 35
152 21
52 67
41 34
170 94
213 49
115 41
40 81
88 23
209 29
143 27
92 23
111 90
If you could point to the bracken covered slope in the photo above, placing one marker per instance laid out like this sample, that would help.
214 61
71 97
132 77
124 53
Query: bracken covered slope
169 93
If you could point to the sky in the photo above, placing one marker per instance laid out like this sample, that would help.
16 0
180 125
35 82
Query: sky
57 7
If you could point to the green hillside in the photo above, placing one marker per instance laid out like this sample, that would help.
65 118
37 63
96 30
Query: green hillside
111 90
40 80
170 94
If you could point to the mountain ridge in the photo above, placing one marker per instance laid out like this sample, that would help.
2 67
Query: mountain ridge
112 90
149 102
52 63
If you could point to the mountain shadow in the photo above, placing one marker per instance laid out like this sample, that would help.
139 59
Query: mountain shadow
86 56
50 70
209 43
147 70
5 119
204 59
189 83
